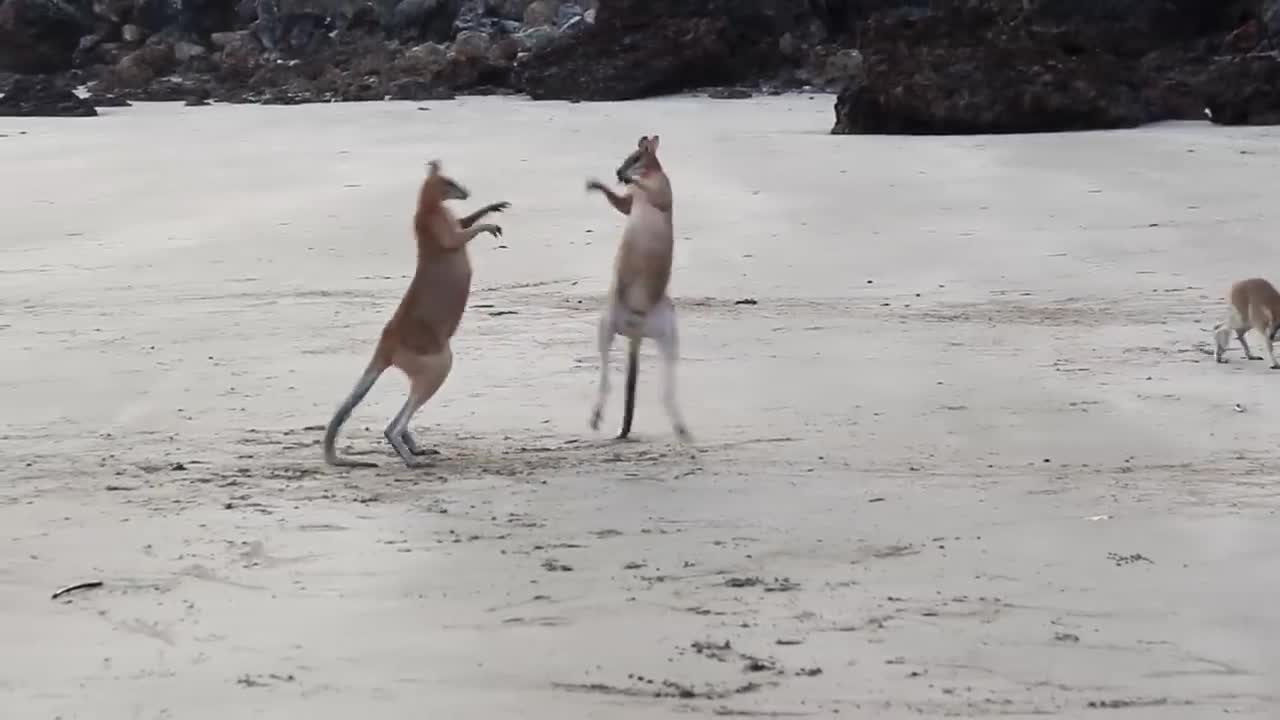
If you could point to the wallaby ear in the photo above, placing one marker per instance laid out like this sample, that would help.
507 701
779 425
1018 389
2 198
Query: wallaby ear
653 144
642 142
433 168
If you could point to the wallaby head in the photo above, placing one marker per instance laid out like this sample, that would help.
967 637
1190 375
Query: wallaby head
445 187
641 162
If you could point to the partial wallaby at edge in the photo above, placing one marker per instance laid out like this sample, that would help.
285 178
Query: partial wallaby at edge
638 306
416 338
1253 304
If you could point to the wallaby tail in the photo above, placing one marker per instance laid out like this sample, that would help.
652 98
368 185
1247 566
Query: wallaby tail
362 388
629 398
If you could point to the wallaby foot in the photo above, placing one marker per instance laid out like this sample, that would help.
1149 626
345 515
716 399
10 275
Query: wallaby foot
413 446
349 463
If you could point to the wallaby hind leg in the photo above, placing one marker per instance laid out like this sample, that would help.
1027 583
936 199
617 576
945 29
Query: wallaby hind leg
604 344
1269 344
1245 344
1235 321
426 374
662 328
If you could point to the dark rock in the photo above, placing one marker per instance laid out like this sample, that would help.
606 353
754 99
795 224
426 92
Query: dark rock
422 20
193 17
567 13
1140 26
133 33
983 74
536 38
729 93
240 56
472 45
415 89
104 100
42 36
1172 83
639 49
1244 90
541 13
830 69
42 96
141 67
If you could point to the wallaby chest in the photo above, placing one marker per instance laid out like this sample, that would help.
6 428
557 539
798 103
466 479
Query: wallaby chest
643 264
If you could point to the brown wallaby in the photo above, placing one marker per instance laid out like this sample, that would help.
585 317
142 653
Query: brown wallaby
416 338
1253 304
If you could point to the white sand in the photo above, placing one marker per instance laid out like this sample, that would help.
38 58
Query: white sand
977 368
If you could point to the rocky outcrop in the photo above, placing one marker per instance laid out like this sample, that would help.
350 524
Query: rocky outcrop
638 49
900 66
38 96
1244 91
987 76
1001 66
41 36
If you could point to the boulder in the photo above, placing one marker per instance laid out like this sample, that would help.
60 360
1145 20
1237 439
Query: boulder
472 45
240 54
830 69
42 36
1244 90
638 49
978 91
425 20
540 13
972 71
195 17
133 34
141 67
42 96
536 38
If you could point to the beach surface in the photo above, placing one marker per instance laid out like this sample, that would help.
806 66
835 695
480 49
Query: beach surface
960 445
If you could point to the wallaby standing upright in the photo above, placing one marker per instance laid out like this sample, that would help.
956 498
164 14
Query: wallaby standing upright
416 338
638 305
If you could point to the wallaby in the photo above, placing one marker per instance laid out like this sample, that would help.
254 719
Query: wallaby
638 306
1254 304
416 338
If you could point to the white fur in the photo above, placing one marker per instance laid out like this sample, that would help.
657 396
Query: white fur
1237 323
659 325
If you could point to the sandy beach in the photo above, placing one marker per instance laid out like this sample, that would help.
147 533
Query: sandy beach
960 446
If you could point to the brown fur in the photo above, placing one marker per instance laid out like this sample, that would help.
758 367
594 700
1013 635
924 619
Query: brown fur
1254 304
416 338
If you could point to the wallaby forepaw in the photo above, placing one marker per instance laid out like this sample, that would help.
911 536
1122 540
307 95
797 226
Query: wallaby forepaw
499 206
494 230
594 184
